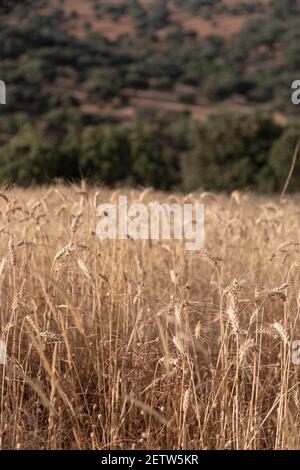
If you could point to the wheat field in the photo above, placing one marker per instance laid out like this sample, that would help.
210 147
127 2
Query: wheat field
142 345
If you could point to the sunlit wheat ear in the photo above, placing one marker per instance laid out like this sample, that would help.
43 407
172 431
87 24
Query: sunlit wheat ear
174 277
278 291
186 401
279 329
96 199
188 198
171 361
247 346
33 208
50 336
178 344
30 321
12 252
2 266
2 352
178 312
144 194
208 195
139 266
233 294
23 290
236 197
198 330
253 316
233 319
16 303
6 328
65 251
84 269
76 222
267 331
213 260
232 311
19 297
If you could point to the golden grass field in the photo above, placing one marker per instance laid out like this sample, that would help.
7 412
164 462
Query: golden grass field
139 345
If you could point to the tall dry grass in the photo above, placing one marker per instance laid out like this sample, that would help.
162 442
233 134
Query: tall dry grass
138 344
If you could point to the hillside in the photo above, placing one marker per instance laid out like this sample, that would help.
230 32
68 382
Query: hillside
79 63
150 54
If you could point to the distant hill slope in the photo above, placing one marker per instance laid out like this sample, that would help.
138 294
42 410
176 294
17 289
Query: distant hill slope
95 60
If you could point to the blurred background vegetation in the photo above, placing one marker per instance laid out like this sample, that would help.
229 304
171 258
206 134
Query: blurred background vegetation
169 93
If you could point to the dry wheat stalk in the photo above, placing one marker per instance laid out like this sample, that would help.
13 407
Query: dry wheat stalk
84 269
12 252
120 352
233 319
277 291
76 222
198 329
4 197
267 331
178 344
33 208
2 266
186 401
50 336
65 251
16 303
63 208
247 346
174 277
29 319
178 312
213 260
279 329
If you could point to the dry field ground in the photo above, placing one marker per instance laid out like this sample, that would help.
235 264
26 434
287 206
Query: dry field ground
134 345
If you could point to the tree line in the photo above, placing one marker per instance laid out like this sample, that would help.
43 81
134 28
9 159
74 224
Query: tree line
228 151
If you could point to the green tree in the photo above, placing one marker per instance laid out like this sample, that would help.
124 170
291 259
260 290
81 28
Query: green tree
154 162
105 154
28 158
281 157
284 8
103 82
158 14
230 151
69 155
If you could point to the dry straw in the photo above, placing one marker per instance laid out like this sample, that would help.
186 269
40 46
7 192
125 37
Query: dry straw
114 344
12 252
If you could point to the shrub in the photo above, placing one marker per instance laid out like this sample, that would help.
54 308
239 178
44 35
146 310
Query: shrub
229 151
105 154
29 158
281 156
